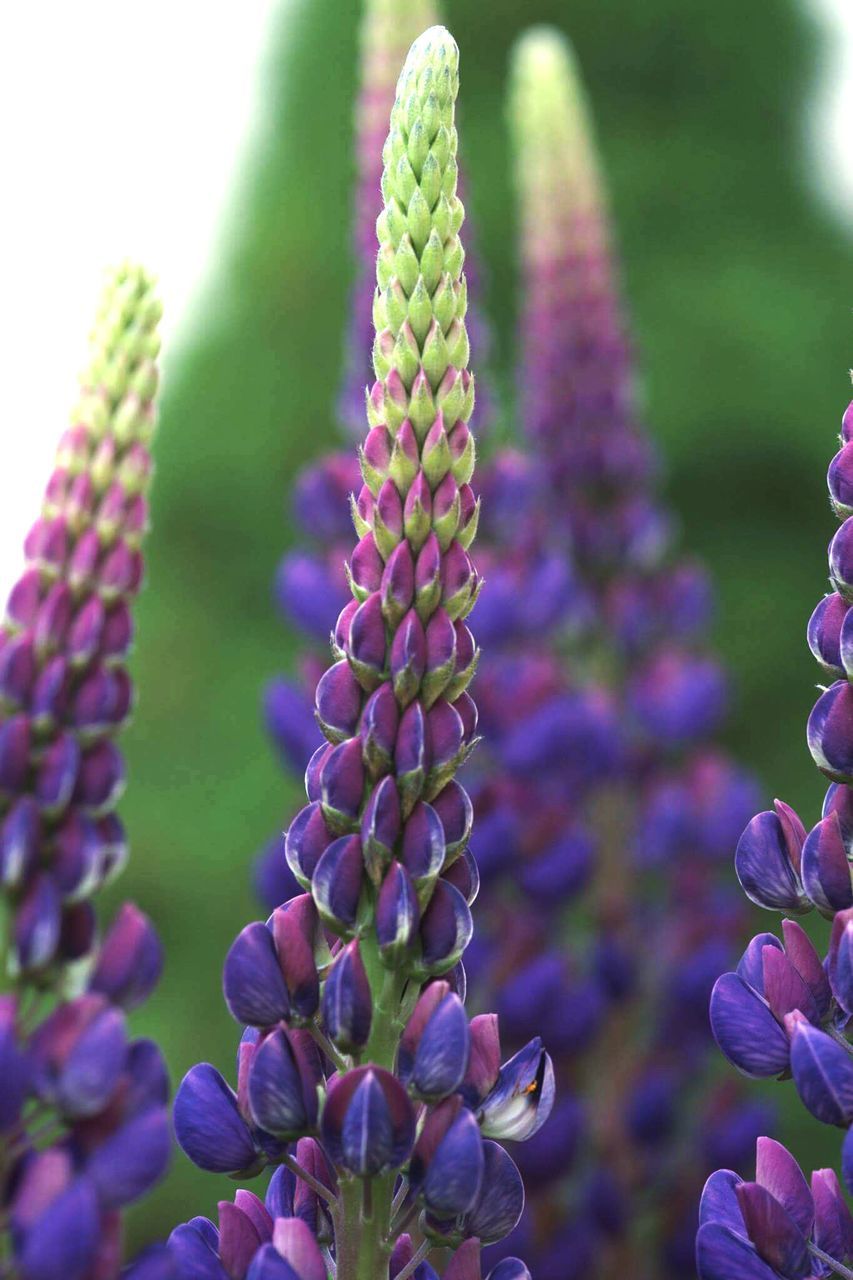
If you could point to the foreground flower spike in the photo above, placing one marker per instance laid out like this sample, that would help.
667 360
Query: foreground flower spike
311 586
357 1045
786 1010
83 1119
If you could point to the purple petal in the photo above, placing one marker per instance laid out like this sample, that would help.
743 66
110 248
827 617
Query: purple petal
196 1251
63 1242
501 1200
751 964
823 1074
523 1096
252 981
764 868
719 1201
441 1058
777 1171
132 1159
745 1029
826 871
833 1224
208 1124
455 1172
777 1238
282 1101
295 1243
268 1264
130 959
830 732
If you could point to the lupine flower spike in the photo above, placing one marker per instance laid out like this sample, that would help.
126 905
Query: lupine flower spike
311 587
83 1119
785 1011
356 1044
596 785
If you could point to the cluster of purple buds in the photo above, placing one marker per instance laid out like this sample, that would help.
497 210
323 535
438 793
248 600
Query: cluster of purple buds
64 686
84 1127
357 1046
778 1227
83 1107
785 1011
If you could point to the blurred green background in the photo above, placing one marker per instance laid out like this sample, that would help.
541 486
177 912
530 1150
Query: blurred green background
740 284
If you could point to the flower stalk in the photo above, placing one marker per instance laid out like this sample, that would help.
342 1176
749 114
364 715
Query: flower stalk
83 1120
367 956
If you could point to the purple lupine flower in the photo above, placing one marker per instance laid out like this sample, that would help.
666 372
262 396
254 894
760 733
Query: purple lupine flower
776 1226
786 1010
356 1044
597 778
72 1074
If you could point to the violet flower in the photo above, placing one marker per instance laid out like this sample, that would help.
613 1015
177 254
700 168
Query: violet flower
357 1045
597 787
83 1119
786 1010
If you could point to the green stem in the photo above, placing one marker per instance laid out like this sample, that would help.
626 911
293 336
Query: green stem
363 1247
364 1241
316 1186
837 1267
841 1039
341 1063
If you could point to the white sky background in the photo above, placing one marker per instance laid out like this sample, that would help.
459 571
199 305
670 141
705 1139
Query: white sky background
121 129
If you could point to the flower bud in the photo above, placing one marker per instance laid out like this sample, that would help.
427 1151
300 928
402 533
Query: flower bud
823 1074
368 1122
378 730
824 634
380 828
281 1091
306 841
840 482
397 914
365 642
454 1171
767 860
423 849
209 1126
440 1049
79 1052
299 941
347 1001
342 785
130 959
338 702
252 981
745 1029
446 929
20 836
841 560
826 870
337 883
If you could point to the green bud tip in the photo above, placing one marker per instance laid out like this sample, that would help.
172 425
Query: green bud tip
556 167
119 380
